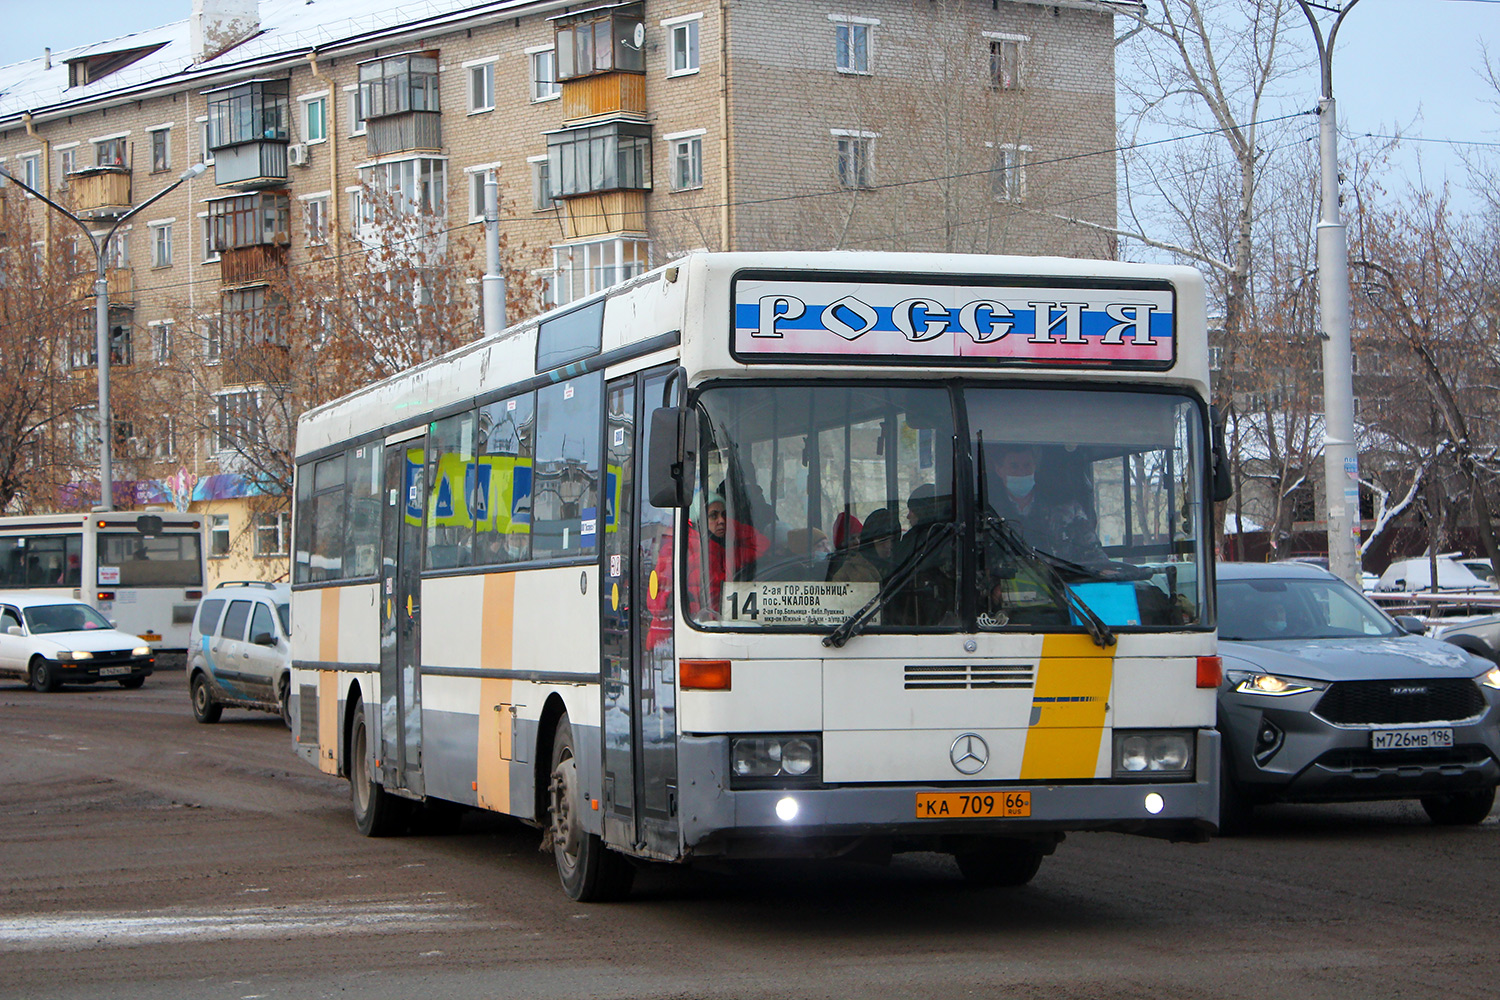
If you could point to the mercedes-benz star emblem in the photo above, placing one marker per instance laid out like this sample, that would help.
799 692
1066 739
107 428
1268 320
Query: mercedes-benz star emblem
969 753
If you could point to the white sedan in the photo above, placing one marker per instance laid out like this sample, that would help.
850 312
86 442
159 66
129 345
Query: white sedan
50 641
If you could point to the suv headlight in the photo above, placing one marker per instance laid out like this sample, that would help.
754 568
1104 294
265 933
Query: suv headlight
775 760
1490 678
1157 756
1253 682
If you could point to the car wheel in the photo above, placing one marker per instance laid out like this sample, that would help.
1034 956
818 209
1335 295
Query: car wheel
590 872
284 698
1235 809
1459 808
377 813
999 863
131 683
43 675
205 709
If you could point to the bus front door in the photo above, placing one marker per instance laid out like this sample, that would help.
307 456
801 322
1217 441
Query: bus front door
400 718
639 669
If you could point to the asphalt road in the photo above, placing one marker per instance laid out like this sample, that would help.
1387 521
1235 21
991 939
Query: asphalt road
147 856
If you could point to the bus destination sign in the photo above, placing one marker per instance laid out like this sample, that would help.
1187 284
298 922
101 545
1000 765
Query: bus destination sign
855 321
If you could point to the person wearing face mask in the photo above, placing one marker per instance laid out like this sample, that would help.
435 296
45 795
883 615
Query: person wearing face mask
1051 520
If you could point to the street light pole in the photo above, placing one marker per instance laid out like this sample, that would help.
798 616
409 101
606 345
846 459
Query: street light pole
1340 452
101 313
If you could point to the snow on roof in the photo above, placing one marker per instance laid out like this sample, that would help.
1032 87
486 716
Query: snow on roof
288 29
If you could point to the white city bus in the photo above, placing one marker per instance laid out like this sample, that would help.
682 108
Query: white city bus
716 564
142 570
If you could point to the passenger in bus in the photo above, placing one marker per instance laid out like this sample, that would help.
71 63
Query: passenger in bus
869 561
928 596
711 550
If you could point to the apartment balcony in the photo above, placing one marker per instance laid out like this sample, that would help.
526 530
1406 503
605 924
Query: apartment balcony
120 281
604 213
405 132
262 163
256 264
100 192
607 94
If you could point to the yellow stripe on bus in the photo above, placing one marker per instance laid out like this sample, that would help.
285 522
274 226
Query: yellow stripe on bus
496 638
328 626
1068 709
328 721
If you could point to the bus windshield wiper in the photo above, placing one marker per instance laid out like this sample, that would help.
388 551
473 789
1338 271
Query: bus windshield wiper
855 623
1050 579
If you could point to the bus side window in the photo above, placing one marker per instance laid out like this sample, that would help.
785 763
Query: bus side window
208 615
235 620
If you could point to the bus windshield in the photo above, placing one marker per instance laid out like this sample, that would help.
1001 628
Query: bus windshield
817 502
172 560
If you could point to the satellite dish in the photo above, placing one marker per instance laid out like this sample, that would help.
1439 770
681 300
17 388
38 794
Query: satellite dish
640 34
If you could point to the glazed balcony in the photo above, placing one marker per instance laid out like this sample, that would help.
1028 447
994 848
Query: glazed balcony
248 132
608 94
120 281
406 132
249 265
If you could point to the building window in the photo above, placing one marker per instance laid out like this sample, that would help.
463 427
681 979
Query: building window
601 44
482 87
855 152
236 420
1006 55
118 252
84 340
477 177
218 536
687 160
851 43
207 155
315 220
249 112
314 119
584 268
164 438
417 186
161 245
1215 358
161 342
110 152
213 339
683 44
67 162
251 318
210 250
250 220
541 184
161 150
398 84
1009 183
544 85
31 171
272 530
356 112
606 157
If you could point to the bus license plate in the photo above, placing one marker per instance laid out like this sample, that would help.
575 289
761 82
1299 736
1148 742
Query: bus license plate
113 671
150 637
972 805
1410 739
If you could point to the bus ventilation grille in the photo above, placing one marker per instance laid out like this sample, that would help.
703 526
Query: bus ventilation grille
965 677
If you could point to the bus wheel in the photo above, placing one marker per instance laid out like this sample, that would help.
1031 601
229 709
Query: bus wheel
590 872
131 683
377 813
205 709
284 698
43 678
999 862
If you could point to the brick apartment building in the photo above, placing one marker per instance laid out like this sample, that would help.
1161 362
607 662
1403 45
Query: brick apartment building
621 134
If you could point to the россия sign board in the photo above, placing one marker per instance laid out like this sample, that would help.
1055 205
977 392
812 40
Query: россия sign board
860 319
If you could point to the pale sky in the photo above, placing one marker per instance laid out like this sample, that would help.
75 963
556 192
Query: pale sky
1411 63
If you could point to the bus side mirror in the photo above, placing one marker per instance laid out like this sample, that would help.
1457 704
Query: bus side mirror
1223 485
667 458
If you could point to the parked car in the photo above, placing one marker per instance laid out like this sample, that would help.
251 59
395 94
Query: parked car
1406 575
240 651
51 641
1326 698
1479 567
1367 580
1479 634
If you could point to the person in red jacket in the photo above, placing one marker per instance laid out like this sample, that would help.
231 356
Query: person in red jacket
722 536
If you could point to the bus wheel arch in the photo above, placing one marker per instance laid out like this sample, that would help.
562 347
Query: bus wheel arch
589 871
353 705
546 733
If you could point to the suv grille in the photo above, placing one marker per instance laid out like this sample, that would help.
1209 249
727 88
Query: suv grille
1358 703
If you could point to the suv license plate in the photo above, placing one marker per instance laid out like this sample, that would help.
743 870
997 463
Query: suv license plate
1410 739
113 671
972 805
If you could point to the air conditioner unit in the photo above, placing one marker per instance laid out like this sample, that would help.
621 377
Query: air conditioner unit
296 154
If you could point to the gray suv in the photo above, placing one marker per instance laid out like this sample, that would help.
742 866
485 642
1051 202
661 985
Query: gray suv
239 650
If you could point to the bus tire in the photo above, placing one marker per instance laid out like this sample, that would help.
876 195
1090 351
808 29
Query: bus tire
999 863
377 813
590 872
131 683
43 677
205 709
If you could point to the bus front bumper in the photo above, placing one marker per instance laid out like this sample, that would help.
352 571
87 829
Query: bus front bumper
797 821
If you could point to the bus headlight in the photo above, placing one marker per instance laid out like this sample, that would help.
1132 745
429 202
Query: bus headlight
773 760
1153 755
